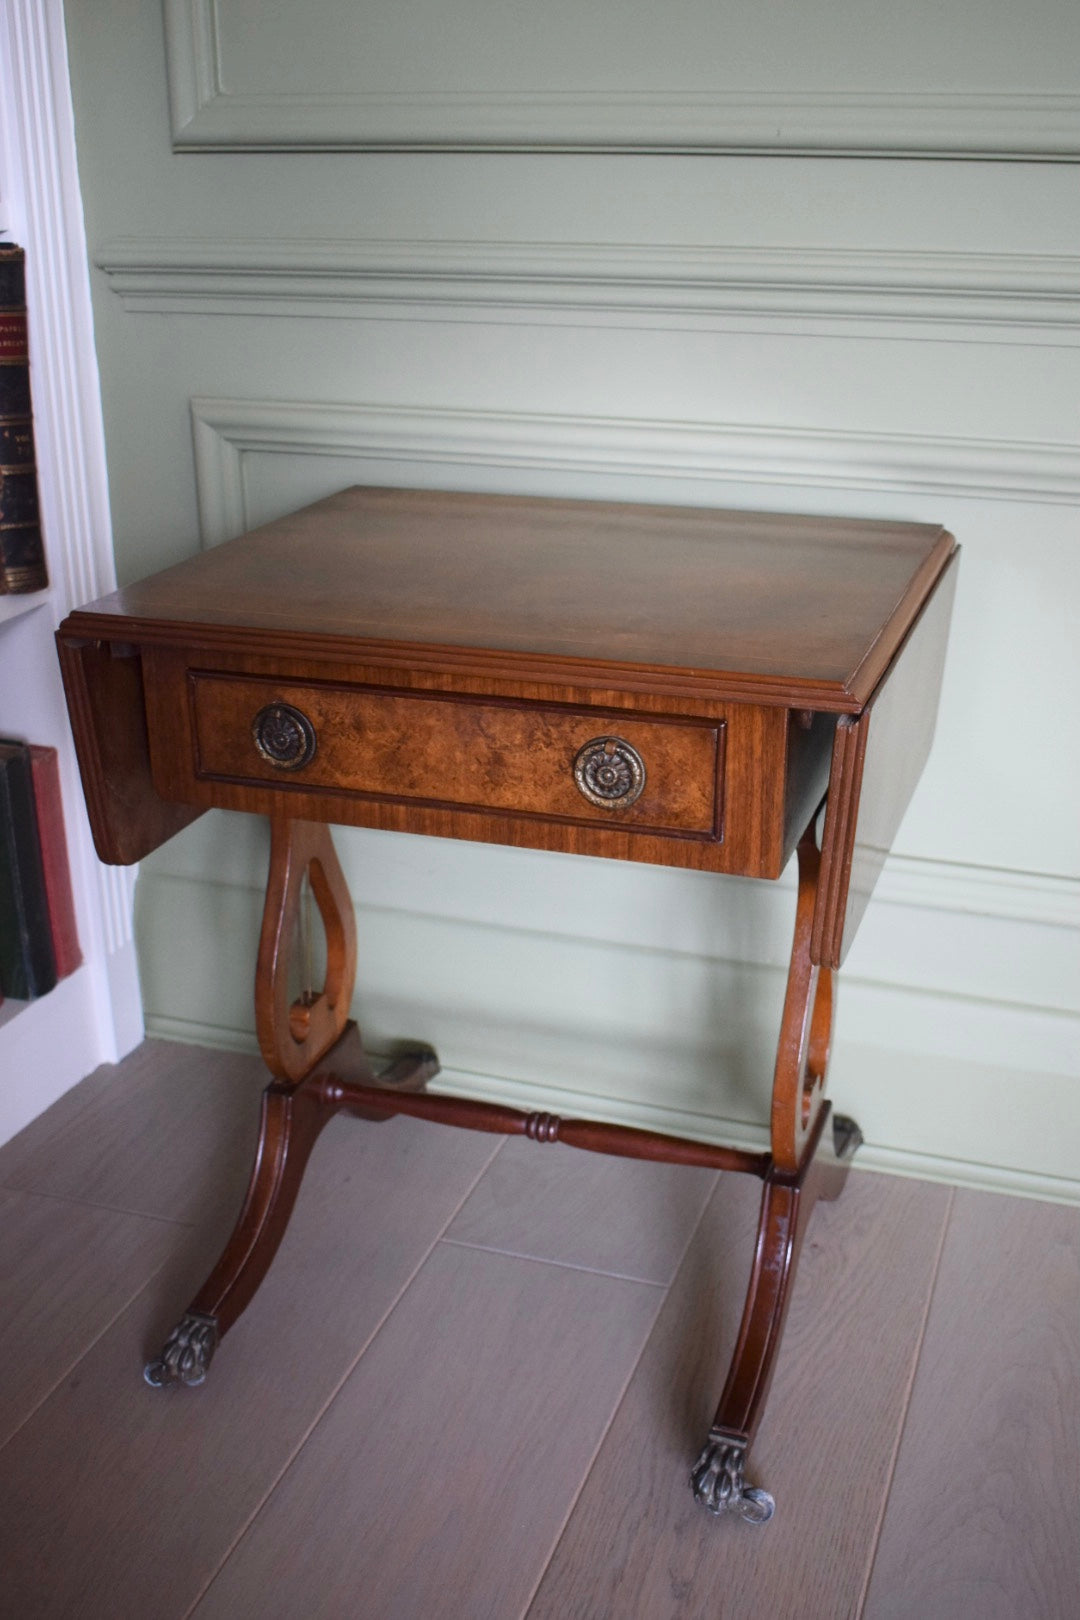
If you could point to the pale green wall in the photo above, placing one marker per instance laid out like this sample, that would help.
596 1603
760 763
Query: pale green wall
884 336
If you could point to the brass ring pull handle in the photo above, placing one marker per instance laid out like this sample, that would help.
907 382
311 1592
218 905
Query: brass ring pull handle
609 773
284 736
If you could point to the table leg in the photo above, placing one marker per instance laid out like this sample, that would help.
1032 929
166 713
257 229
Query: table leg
310 1046
811 1153
320 1068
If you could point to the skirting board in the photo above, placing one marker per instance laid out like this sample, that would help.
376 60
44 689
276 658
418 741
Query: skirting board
946 1086
888 1160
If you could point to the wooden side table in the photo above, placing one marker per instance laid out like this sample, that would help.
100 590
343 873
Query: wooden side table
648 683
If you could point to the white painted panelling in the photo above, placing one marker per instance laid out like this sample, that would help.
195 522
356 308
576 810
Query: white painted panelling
47 220
690 75
980 891
891 339
226 430
1003 296
921 933
47 1046
95 1015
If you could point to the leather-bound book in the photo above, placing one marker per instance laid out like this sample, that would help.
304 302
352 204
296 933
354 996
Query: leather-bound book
22 551
59 896
27 959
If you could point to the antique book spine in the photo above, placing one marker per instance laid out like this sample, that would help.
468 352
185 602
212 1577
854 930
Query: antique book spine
27 960
22 551
59 896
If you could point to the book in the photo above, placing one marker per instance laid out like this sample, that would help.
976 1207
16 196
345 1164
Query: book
22 549
27 959
59 895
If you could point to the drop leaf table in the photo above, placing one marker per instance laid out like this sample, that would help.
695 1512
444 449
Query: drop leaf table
664 684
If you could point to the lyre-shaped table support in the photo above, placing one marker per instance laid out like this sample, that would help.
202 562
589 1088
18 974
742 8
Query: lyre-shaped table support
295 1040
316 1056
811 1152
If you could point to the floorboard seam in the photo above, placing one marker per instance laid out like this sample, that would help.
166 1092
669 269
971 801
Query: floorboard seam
91 1203
583 1481
84 1352
616 1407
565 1265
875 1540
339 1386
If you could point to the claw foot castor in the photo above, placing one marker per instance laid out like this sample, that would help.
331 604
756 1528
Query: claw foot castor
187 1353
719 1484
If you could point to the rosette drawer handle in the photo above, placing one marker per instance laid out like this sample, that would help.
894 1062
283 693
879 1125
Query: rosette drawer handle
609 773
284 736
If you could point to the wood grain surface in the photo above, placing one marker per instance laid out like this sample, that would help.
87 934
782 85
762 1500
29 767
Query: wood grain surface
638 1546
742 751
103 687
877 761
452 750
766 600
168 1139
984 1512
459 1485
465 1413
129 1498
34 1138
66 1270
624 1217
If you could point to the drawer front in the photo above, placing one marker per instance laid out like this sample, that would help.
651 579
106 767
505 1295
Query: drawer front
588 766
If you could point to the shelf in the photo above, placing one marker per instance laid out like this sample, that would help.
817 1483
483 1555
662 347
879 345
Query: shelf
14 607
10 1009
42 1052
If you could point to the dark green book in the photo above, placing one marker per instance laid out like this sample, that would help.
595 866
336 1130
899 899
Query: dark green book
27 960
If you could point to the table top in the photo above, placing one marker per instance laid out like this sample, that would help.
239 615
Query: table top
804 611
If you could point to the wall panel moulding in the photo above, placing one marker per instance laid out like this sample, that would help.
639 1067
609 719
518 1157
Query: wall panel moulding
992 296
226 430
665 78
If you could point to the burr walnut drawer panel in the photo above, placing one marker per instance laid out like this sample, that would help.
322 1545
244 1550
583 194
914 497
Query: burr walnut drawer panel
589 765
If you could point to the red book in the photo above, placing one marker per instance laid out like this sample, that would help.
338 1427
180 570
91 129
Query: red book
45 776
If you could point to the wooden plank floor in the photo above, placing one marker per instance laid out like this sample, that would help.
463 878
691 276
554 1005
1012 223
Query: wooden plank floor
476 1376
